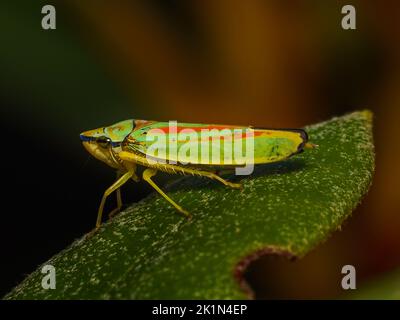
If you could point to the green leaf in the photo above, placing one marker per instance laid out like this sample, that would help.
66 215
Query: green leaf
150 251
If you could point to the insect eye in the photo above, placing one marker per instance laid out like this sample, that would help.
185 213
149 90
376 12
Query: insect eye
103 142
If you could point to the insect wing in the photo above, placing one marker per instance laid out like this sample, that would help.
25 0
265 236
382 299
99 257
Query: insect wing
216 145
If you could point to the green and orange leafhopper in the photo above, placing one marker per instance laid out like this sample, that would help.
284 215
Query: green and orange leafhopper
188 149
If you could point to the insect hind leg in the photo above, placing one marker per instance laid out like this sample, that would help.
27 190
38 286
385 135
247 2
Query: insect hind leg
211 175
170 168
222 180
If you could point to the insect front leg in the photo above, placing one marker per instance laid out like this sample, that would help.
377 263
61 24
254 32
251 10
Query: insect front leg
147 175
115 186
131 167
119 200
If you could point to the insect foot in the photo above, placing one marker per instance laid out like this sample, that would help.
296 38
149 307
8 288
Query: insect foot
187 214
91 233
235 185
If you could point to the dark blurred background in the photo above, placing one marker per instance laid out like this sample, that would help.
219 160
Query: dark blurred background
264 63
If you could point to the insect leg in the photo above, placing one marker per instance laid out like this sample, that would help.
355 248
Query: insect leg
150 172
210 175
218 178
131 157
119 200
115 186
131 167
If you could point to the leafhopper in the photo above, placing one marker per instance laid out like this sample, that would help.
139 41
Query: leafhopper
187 149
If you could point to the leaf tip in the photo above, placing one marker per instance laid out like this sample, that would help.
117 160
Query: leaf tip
367 114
